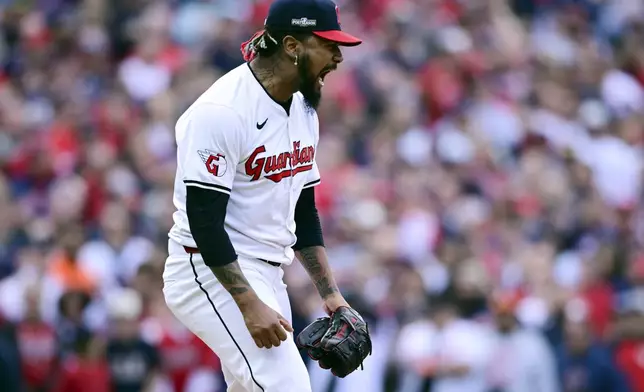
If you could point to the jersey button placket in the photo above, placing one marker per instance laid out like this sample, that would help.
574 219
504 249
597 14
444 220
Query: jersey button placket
291 205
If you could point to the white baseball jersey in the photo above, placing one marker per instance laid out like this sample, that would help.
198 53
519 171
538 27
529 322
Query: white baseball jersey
237 140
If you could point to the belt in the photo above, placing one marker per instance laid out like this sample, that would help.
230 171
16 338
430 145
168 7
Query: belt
196 251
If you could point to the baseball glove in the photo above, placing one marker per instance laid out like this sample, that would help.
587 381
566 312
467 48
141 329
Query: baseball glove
339 343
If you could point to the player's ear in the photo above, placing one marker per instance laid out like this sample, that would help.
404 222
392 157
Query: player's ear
292 46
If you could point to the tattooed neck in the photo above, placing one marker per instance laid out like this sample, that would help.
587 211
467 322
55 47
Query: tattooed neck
266 77
270 74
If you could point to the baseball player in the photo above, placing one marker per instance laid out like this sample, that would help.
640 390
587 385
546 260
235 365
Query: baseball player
244 197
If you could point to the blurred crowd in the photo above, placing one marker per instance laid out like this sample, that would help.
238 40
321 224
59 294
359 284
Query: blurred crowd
481 196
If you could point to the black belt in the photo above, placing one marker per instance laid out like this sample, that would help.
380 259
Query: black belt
196 251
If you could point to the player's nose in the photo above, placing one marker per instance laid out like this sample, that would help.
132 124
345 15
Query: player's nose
337 56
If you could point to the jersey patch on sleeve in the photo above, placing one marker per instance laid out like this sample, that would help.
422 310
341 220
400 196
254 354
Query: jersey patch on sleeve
215 163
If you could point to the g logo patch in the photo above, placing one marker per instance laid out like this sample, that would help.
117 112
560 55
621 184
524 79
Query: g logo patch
215 163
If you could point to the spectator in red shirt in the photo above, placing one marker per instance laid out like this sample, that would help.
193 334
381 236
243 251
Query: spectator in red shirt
87 370
183 354
37 345
630 359
598 293
628 330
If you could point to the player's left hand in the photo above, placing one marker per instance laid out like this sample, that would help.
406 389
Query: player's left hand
340 342
333 302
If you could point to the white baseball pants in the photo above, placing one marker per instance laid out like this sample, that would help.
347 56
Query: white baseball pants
204 306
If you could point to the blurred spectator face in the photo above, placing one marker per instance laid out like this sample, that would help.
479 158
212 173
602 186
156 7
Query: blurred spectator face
444 313
148 281
558 98
470 285
636 270
67 199
506 321
115 220
151 44
71 240
470 279
117 109
161 107
125 329
72 306
503 306
125 307
577 337
632 131
32 300
451 251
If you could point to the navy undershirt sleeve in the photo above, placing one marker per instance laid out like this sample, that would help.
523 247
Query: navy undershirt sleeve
206 210
307 221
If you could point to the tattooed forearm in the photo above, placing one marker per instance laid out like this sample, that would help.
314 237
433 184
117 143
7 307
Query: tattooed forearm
233 279
315 262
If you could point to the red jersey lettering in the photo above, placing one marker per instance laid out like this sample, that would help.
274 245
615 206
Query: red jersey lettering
280 166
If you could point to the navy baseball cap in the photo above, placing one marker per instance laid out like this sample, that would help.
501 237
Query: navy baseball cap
319 17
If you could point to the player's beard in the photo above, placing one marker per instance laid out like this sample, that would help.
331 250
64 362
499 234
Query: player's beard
308 84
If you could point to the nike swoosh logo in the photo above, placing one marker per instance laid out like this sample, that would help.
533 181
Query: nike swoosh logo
260 126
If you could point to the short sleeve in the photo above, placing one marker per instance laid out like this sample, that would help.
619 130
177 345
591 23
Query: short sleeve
210 143
313 177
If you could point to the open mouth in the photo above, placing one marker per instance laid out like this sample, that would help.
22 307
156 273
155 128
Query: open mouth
323 74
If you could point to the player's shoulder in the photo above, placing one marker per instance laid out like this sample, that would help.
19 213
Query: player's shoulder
231 89
230 94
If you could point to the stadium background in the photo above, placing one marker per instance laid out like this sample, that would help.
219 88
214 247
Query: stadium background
482 155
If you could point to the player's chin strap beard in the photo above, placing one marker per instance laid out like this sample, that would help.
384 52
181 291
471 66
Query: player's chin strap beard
306 84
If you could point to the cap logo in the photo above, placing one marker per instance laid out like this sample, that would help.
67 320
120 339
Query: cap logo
337 13
304 22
